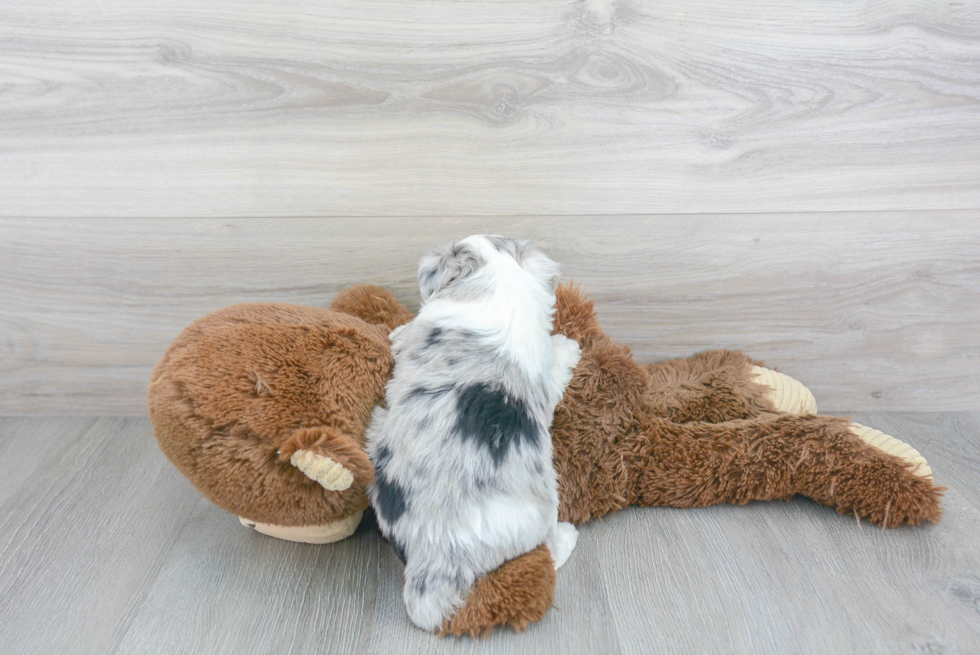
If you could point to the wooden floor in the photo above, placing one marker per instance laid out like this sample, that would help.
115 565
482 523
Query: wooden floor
105 548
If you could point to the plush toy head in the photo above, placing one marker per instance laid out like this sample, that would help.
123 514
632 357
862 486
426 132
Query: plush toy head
264 407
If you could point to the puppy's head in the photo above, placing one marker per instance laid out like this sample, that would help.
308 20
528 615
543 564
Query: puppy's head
477 265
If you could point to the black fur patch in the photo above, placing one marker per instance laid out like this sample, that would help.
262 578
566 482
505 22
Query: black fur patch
433 338
418 392
494 420
384 456
398 548
390 497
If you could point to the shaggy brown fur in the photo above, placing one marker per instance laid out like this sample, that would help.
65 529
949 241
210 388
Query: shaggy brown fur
242 389
517 594
249 380
714 387
373 305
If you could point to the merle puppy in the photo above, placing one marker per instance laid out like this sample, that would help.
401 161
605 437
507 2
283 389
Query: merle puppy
463 454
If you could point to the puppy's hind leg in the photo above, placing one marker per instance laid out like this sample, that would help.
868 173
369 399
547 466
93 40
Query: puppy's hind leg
432 596
561 542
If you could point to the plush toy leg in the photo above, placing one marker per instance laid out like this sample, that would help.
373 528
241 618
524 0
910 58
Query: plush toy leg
699 464
517 594
373 305
893 446
722 385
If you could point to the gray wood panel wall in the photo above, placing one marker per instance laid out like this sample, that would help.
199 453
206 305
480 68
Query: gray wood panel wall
872 311
487 107
798 180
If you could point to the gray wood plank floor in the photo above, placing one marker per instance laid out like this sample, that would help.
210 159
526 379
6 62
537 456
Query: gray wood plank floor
105 548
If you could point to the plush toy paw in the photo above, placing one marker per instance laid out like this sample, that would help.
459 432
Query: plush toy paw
330 474
893 446
308 534
788 396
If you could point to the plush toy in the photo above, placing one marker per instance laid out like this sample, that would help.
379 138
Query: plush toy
264 407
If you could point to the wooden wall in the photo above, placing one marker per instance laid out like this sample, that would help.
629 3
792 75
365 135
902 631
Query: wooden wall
870 310
800 180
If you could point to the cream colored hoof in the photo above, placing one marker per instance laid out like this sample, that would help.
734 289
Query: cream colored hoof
788 395
308 534
893 446
330 474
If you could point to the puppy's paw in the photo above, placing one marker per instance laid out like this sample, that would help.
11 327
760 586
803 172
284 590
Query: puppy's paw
331 475
567 355
562 542
567 352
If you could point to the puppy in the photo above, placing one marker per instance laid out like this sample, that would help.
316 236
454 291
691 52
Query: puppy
463 456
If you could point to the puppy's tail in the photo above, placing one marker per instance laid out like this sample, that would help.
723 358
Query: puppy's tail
433 596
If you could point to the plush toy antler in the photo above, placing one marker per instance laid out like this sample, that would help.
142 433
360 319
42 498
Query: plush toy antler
714 428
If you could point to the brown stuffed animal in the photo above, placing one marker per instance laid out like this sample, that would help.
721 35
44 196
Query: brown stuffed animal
713 428
264 408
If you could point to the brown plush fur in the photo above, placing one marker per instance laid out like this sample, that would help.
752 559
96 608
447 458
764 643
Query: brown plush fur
372 304
517 594
249 380
714 386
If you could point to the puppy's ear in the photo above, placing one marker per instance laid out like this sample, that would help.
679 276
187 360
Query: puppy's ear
513 247
539 264
443 266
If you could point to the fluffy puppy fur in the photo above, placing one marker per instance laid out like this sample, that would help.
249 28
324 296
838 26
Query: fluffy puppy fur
463 456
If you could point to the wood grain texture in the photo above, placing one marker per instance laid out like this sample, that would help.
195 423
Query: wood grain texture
105 549
871 311
477 107
85 533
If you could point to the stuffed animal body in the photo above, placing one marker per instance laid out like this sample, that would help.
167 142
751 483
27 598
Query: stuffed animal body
462 453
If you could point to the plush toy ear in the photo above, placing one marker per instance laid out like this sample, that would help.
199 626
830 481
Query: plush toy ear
541 266
329 457
445 265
